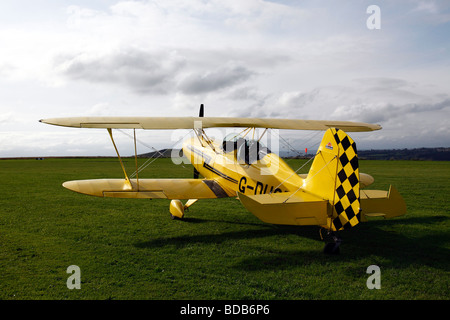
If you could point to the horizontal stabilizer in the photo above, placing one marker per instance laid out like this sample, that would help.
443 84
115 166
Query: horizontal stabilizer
290 208
378 203
365 179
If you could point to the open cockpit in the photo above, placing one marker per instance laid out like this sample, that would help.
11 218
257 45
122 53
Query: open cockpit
247 151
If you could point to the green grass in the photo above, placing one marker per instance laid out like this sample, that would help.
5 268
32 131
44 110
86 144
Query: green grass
131 249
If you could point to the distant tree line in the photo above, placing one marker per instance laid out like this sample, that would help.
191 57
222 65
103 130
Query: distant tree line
433 154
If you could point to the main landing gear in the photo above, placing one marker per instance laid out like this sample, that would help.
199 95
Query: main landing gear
177 208
333 242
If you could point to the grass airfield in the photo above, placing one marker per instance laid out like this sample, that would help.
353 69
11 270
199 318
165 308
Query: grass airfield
131 249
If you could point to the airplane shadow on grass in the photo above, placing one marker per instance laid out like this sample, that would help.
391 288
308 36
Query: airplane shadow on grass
367 239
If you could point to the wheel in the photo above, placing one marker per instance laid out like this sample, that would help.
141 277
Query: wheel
176 209
331 248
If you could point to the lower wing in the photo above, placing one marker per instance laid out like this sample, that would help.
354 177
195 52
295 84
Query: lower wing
150 188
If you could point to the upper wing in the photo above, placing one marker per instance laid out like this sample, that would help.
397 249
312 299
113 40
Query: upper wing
150 188
207 122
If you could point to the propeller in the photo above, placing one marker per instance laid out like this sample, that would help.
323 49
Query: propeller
200 114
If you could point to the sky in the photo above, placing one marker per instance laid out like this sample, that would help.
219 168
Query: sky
241 58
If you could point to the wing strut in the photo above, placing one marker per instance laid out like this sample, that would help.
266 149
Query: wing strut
135 159
118 155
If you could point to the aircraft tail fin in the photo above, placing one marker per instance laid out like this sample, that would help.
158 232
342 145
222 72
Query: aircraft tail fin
334 176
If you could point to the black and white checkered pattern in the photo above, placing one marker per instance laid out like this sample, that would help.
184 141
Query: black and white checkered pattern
346 199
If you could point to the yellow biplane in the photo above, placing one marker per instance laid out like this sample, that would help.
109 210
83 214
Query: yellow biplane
332 195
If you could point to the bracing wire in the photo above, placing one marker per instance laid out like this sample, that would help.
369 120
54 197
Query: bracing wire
307 138
309 178
151 159
295 172
310 137
143 143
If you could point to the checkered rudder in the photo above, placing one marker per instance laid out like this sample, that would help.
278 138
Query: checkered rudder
346 198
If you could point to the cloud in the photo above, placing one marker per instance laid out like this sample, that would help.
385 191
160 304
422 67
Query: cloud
434 12
286 59
411 114
371 93
146 72
6 118
298 99
210 81
379 113
248 93
141 71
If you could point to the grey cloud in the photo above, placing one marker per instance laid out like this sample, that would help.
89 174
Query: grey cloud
249 94
141 71
382 83
220 78
245 93
368 99
297 100
147 72
382 113
390 89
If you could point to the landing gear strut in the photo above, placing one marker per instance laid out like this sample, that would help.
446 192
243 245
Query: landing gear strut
333 242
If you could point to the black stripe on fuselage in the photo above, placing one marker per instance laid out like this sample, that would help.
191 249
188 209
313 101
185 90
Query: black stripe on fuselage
216 188
207 166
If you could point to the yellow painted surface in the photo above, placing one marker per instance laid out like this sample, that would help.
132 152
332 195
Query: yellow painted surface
207 122
330 195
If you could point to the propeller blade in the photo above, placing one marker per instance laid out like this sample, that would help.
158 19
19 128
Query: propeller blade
200 114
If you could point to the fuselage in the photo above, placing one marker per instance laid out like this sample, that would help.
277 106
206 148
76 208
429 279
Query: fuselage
268 174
